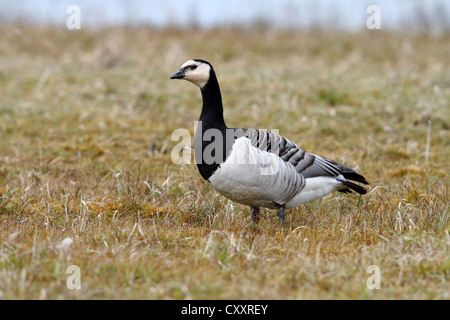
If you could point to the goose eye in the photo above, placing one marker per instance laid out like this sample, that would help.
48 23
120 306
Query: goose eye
193 67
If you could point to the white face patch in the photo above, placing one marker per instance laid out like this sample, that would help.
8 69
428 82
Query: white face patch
199 75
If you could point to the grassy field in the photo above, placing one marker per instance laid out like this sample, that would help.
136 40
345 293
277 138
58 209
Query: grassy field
86 119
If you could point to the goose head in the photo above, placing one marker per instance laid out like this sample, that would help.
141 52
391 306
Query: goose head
196 71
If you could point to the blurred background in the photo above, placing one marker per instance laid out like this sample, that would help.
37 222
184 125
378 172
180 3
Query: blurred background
348 15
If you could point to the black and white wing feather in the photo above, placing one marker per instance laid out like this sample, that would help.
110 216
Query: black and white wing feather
307 164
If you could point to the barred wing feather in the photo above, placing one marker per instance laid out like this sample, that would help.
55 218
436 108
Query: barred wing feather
307 164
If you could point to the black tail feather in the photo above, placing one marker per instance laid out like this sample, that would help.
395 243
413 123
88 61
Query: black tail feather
354 176
354 187
350 174
346 190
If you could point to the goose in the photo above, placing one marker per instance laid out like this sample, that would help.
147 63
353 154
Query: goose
258 167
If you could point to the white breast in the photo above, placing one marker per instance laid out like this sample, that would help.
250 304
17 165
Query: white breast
256 178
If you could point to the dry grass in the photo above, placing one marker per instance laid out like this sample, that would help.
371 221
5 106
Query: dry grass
85 124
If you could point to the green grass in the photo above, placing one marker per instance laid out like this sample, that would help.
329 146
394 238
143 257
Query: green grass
86 119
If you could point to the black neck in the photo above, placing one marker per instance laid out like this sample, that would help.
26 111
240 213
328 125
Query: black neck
212 111
210 118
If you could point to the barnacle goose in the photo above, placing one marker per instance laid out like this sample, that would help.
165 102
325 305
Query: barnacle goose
257 167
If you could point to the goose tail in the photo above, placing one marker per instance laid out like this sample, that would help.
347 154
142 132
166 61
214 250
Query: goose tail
350 174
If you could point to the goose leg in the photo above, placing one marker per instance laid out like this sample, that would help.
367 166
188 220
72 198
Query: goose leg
255 214
281 213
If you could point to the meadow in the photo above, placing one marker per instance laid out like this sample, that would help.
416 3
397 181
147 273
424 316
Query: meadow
86 118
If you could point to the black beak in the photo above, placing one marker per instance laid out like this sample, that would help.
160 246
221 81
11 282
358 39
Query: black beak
178 75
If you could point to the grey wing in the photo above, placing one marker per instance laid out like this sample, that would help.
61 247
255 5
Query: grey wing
307 164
